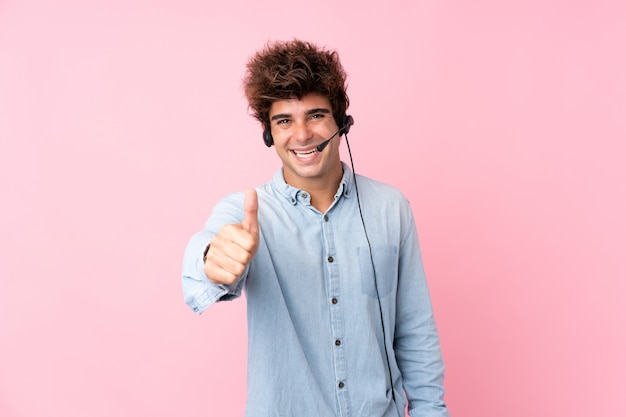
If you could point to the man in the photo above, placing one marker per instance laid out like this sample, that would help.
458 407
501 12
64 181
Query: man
340 321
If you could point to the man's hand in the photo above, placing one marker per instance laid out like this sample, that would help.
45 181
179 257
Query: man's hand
235 245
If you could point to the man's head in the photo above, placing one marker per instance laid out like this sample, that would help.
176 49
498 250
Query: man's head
293 69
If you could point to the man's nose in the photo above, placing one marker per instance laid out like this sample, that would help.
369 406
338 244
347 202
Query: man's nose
302 131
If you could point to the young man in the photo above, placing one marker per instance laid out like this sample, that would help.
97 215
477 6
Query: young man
340 321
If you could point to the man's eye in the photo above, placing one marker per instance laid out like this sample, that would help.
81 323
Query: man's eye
282 122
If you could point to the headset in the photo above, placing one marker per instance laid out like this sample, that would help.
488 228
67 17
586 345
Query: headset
346 122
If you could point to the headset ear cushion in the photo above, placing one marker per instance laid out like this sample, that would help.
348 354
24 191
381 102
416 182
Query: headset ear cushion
347 122
267 138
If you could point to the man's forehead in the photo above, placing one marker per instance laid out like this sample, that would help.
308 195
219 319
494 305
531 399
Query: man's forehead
309 103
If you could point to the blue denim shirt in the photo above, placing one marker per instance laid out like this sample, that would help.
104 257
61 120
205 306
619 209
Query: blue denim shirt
315 337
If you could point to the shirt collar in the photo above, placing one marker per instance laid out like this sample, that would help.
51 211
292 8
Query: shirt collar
295 195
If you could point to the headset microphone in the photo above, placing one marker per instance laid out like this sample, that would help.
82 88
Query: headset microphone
324 144
345 128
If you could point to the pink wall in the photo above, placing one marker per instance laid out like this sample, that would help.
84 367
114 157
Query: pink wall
122 124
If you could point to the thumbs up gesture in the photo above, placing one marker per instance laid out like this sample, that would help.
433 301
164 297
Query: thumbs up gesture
235 245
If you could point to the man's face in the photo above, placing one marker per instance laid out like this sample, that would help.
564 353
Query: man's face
298 127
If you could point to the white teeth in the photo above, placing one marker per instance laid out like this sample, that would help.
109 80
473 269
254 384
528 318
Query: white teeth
298 153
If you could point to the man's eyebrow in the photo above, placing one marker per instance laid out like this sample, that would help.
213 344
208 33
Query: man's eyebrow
318 110
280 116
308 113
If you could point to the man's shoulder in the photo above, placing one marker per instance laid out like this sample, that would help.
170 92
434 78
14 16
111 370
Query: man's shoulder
383 189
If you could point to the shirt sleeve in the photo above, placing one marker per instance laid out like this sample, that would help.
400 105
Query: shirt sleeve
416 343
198 291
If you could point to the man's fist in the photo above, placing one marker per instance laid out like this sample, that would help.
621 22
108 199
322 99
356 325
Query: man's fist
235 245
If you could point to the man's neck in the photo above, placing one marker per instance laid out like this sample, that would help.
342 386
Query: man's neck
322 198
322 190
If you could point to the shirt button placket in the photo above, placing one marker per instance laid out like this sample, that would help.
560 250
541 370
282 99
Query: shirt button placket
336 317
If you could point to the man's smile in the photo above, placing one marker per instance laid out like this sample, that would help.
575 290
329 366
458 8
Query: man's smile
304 153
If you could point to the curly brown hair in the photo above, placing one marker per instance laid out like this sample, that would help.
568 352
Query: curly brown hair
293 69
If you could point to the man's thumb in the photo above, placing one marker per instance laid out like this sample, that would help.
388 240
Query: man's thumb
250 209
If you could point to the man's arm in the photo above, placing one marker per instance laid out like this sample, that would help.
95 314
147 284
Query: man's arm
214 275
416 343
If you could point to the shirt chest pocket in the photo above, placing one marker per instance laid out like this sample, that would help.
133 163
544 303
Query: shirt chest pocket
385 259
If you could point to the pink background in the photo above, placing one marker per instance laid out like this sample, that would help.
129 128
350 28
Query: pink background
122 123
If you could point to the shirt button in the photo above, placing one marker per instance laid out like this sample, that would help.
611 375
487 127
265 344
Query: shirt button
341 385
293 200
331 259
325 218
337 342
305 195
334 301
